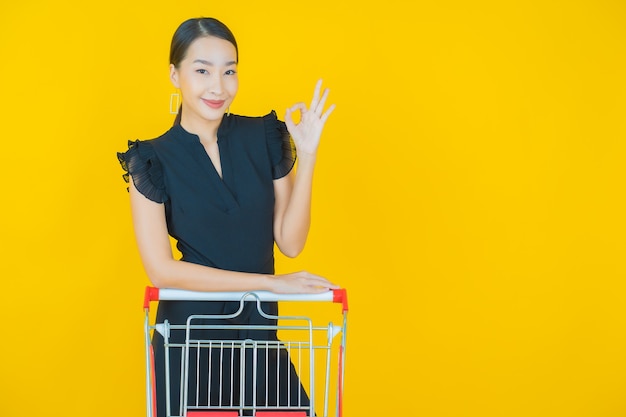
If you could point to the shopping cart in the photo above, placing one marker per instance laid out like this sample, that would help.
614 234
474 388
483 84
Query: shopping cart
237 370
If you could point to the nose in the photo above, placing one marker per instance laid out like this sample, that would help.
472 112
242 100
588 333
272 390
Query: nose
216 86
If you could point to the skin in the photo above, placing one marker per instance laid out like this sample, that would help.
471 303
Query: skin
208 75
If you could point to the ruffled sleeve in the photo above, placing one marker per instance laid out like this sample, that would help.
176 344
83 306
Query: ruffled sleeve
281 147
141 163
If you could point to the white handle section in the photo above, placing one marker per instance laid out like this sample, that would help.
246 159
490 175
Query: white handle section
183 295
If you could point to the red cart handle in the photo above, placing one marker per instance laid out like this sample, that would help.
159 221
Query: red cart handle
156 294
151 294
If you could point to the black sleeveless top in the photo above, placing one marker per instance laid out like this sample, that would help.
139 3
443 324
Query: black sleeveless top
222 222
226 222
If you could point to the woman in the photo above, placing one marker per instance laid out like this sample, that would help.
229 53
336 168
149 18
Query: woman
223 186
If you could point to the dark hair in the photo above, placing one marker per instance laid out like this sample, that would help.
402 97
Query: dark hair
189 31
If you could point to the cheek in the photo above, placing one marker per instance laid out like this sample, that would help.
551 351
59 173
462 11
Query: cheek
189 83
185 87
233 86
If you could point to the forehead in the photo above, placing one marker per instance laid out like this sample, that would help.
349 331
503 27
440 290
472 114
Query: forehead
217 51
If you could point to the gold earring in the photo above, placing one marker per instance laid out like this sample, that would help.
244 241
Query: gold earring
228 111
174 103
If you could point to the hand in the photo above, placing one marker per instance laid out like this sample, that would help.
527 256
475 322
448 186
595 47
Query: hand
306 134
300 283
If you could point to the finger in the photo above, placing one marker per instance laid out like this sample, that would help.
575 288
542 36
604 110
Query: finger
314 277
289 113
322 102
322 288
326 285
298 106
318 290
327 113
323 282
288 119
316 94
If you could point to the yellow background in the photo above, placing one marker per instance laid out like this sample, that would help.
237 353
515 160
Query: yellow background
469 194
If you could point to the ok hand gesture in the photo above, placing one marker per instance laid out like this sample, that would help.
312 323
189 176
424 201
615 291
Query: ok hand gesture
306 133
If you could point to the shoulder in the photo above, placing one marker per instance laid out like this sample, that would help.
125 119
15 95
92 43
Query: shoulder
149 145
168 138
277 141
266 133
141 162
262 125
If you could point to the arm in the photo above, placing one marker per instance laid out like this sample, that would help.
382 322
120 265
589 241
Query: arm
292 213
166 272
292 210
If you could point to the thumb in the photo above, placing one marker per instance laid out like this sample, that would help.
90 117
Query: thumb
289 119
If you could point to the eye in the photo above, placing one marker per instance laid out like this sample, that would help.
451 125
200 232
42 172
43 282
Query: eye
202 71
230 72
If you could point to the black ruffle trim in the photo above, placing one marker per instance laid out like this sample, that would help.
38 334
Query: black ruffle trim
141 163
281 147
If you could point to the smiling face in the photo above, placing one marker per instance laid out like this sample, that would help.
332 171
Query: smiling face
207 79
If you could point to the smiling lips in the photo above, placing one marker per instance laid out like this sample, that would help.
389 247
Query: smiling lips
215 104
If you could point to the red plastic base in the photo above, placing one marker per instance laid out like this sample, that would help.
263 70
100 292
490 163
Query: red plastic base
235 414
212 414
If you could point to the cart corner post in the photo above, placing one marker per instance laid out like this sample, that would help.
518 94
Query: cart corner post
151 294
341 296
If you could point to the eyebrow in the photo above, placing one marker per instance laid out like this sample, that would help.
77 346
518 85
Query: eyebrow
209 63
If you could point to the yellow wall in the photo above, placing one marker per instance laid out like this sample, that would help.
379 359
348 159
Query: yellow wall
470 195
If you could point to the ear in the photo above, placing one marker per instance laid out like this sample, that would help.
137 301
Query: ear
174 76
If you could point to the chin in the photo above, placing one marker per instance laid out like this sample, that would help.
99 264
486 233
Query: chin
214 115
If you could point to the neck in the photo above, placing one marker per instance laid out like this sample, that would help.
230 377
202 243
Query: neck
206 130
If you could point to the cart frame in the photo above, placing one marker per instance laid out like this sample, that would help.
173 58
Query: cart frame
153 294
